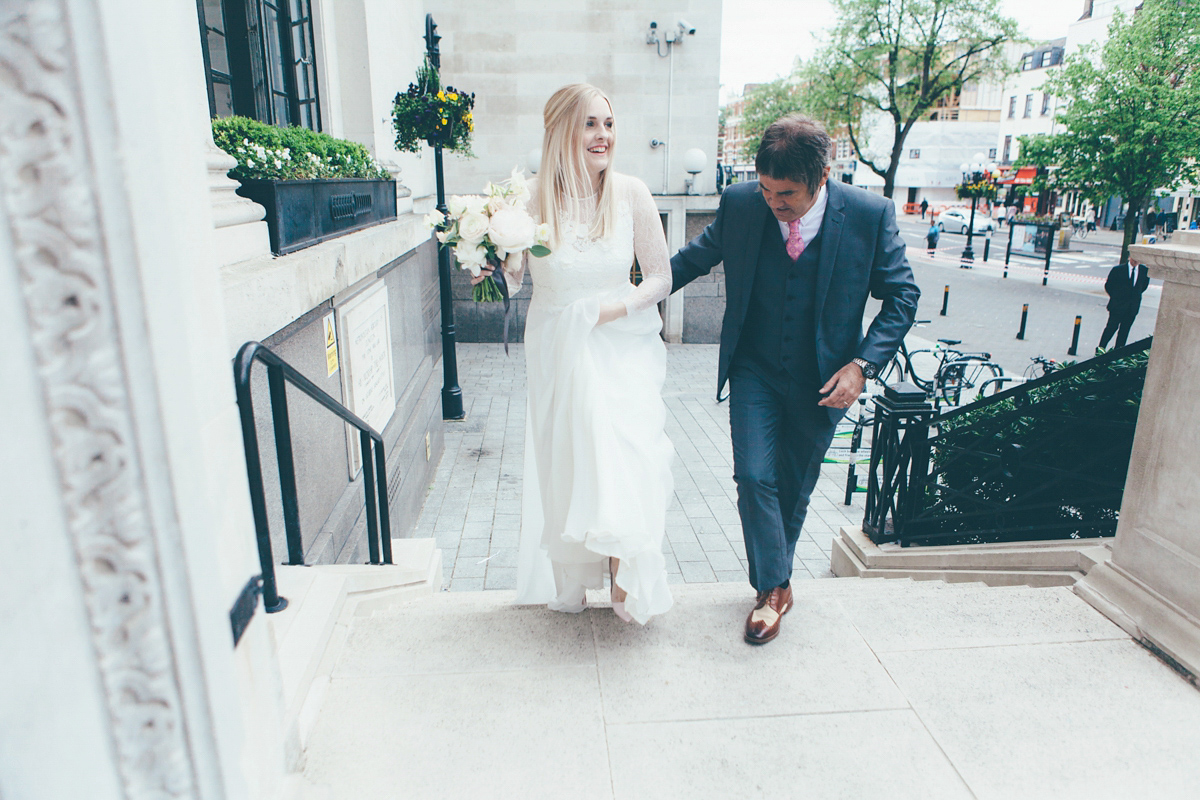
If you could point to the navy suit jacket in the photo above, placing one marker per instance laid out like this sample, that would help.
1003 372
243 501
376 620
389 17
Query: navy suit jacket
861 254
1125 296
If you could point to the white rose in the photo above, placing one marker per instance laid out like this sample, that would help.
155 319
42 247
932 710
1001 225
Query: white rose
472 227
518 187
470 204
495 204
434 218
542 233
512 229
470 257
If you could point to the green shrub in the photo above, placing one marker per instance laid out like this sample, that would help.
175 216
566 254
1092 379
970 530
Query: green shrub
1046 464
272 153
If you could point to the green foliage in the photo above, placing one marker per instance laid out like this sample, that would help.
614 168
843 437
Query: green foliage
1132 118
429 114
985 189
272 153
1046 464
889 62
767 103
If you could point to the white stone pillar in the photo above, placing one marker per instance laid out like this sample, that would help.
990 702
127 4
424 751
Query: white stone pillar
1151 587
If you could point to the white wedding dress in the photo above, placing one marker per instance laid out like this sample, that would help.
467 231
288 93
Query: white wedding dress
597 460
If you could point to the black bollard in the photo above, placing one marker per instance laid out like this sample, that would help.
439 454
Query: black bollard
1024 319
987 246
1049 249
945 299
1075 338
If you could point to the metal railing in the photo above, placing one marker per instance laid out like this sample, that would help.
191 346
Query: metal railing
1045 459
374 465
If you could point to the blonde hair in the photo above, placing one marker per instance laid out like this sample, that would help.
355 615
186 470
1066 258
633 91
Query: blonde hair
563 181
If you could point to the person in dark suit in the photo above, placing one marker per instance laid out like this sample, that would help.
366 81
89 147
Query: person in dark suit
1125 285
802 254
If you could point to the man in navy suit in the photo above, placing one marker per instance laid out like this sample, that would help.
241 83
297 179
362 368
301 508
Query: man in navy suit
1125 286
801 255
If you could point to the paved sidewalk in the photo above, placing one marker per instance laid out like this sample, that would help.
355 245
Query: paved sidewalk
473 508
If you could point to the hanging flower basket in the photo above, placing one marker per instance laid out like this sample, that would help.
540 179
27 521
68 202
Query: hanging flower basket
430 114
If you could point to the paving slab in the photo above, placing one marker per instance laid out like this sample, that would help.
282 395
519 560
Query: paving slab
811 756
1082 720
382 738
695 665
1019 615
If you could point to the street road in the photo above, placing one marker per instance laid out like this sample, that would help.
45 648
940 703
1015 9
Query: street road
984 310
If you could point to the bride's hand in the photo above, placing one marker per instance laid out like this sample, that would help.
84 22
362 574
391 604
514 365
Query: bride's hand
611 311
483 273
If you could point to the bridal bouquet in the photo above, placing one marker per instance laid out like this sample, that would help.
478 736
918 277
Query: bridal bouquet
486 229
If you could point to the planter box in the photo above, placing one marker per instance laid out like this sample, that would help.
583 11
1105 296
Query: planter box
303 213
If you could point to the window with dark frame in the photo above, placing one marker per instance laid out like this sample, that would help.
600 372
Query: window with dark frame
259 62
914 153
1007 149
1045 104
1012 106
1028 105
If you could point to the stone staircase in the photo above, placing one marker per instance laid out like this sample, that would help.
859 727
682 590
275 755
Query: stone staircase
875 688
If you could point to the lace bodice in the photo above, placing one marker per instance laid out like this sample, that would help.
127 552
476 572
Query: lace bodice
581 267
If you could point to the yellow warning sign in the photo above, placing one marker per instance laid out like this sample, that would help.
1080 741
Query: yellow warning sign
331 359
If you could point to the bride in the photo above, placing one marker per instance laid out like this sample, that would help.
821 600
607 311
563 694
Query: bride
597 461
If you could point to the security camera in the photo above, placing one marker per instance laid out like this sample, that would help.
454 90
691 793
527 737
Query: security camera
686 28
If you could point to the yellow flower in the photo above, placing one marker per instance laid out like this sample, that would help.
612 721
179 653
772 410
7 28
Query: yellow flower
453 96
441 95
445 121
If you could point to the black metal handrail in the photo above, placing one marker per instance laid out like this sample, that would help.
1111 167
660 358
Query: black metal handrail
1031 466
374 464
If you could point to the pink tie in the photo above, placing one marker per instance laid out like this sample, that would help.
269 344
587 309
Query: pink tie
795 244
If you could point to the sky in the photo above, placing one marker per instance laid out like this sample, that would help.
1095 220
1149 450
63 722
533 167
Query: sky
750 54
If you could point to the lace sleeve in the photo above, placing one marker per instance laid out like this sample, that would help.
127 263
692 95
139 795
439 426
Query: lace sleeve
514 265
650 247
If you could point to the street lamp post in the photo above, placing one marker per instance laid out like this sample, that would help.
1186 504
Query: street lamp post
452 400
973 176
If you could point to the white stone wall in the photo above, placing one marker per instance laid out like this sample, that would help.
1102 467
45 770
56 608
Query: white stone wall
514 53
367 51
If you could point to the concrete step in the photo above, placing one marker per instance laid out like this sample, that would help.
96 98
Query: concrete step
1047 563
462 694
321 602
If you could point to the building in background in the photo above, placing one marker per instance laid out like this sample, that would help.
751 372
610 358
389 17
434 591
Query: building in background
732 146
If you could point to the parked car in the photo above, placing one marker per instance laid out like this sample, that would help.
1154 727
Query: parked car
957 219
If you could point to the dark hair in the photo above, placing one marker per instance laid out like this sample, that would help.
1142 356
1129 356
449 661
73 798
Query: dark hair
794 148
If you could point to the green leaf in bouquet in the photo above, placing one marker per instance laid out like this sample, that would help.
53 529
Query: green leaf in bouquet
539 251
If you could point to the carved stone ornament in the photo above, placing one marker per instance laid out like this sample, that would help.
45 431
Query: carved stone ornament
50 203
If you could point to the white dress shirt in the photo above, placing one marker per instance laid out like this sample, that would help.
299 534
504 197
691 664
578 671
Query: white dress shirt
810 223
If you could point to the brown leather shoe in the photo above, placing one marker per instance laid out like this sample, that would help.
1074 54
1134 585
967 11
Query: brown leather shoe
763 623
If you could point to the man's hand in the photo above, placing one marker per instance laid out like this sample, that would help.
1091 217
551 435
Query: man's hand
844 387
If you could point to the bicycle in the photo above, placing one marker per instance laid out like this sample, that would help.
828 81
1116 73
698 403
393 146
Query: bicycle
955 373
1041 366
1080 228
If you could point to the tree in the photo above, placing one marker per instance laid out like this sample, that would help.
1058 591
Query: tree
1132 121
889 62
765 104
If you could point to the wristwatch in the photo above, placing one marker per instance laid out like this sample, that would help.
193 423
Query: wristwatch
869 370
